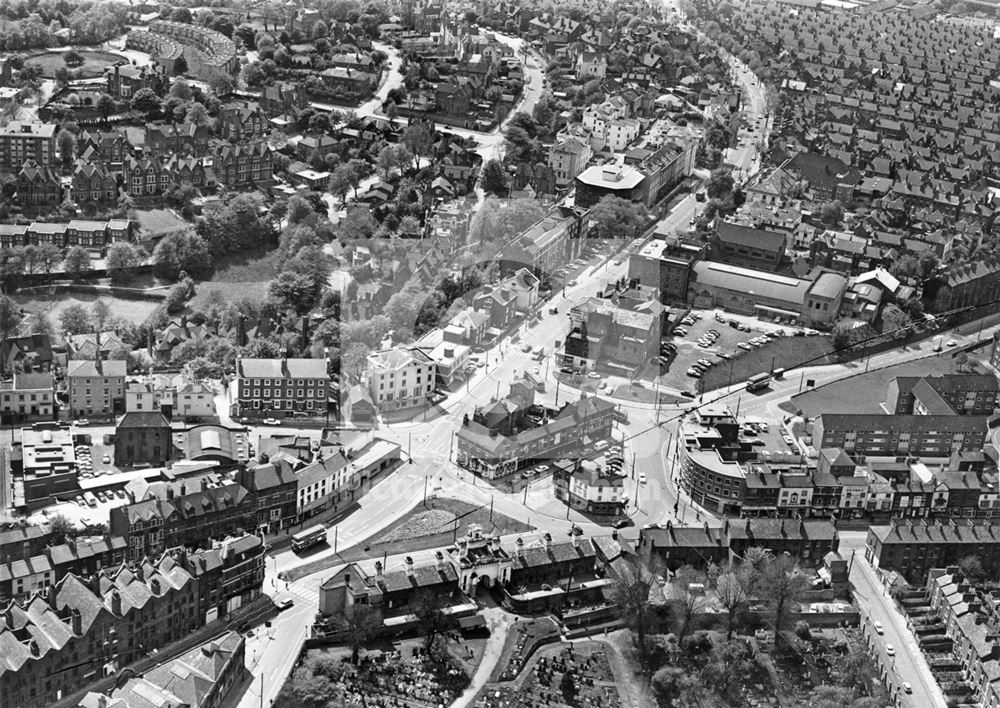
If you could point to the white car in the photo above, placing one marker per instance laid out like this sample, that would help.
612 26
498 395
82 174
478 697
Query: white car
270 421
642 478
890 650
907 688
284 602
694 373
878 628
952 343
593 375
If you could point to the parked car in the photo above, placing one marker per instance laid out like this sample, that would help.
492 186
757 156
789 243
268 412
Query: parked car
878 628
694 373
890 650
106 459
687 394
593 375
81 422
271 421
284 602
642 478
622 523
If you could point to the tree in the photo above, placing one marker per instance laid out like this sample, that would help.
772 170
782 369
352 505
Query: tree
496 224
72 58
361 627
105 104
100 313
387 160
688 604
146 101
181 252
342 179
123 258
731 590
10 317
419 138
972 569
786 584
720 183
614 218
197 114
633 584
74 320
429 610
391 110
62 529
961 360
493 178
294 290
77 261
567 686
304 689
66 144
320 29
180 66
182 14
831 213
358 225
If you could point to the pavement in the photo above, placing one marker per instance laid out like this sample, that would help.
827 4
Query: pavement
907 664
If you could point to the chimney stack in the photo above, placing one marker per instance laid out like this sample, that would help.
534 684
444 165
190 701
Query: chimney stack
409 566
116 603
547 540
439 560
378 572
519 547
76 619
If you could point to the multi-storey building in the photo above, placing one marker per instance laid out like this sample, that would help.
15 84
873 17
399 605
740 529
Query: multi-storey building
181 139
207 673
143 437
279 387
273 486
342 478
748 246
401 377
109 147
174 516
544 247
664 264
866 434
805 541
20 142
502 437
27 397
957 394
209 54
568 158
590 486
913 546
23 574
38 185
84 628
125 80
242 164
177 397
96 387
93 182
611 338
241 122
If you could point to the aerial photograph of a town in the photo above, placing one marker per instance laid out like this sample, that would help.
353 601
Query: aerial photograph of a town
499 354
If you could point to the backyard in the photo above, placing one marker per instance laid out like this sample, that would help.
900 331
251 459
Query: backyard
53 303
94 63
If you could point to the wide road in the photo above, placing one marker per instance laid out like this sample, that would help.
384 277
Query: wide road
907 664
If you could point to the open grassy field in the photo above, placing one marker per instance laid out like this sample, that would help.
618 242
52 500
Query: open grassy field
863 393
94 64
52 305
244 276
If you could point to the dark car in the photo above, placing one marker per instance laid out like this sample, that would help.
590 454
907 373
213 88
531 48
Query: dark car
622 523
687 394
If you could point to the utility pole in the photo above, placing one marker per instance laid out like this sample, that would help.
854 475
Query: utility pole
425 491
262 690
525 500
491 508
335 530
801 381
633 465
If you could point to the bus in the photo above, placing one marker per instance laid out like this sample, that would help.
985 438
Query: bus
758 381
309 538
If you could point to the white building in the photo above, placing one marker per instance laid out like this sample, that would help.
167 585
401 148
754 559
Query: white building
27 397
344 476
183 398
96 387
400 377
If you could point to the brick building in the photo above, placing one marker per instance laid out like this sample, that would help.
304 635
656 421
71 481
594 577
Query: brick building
277 387
20 142
143 437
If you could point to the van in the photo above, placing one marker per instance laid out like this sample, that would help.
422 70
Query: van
778 374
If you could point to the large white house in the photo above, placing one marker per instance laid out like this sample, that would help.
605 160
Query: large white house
400 377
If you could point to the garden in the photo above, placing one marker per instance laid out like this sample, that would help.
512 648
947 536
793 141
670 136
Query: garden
81 63
441 521
573 675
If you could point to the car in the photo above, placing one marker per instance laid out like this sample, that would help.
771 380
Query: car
890 650
480 364
907 688
81 421
622 523
704 362
120 493
106 459
714 332
535 370
695 315
788 439
680 332
553 310
593 375
719 318
284 602
541 469
694 373
744 345
100 497
270 421
642 478
742 327
952 343
528 474
566 370
603 386
723 355
571 284
618 261
878 628
526 348
762 427
757 441
687 394
80 501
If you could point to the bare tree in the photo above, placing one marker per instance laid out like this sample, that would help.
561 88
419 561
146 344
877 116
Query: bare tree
634 581
785 585
689 602
732 593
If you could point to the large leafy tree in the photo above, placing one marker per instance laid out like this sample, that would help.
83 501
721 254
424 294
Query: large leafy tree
615 218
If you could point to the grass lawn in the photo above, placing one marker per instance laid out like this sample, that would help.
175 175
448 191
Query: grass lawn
243 276
863 393
786 352
94 64
437 521
53 305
